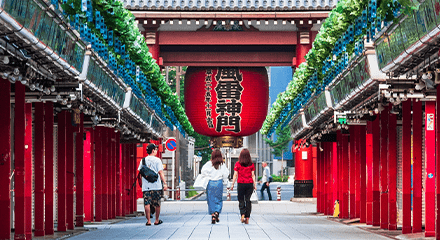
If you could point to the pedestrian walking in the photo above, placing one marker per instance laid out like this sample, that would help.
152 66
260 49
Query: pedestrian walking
217 172
265 180
244 174
152 191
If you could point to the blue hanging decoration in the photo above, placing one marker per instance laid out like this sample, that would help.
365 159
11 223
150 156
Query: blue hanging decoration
350 34
89 13
373 10
379 24
104 32
110 38
117 44
372 31
98 20
364 19
83 5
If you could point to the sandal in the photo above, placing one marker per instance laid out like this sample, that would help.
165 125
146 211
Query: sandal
216 214
213 219
147 224
242 219
246 221
158 223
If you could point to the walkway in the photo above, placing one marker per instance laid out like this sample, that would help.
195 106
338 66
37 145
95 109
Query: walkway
269 220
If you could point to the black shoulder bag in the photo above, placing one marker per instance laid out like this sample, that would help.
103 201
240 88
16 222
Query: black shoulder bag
147 173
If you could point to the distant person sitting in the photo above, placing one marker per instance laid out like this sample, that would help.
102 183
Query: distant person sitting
265 181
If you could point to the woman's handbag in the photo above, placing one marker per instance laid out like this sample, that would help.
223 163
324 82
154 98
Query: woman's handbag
254 197
201 181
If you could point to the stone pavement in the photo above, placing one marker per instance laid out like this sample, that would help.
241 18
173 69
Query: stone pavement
269 220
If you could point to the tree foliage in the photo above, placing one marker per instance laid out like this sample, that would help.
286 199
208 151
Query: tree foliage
282 142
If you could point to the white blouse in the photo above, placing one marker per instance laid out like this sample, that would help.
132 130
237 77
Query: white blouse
210 172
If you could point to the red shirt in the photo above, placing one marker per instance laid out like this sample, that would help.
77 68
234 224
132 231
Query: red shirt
244 173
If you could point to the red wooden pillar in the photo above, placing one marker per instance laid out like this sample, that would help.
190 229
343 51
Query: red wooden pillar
384 168
109 172
130 179
335 174
133 170
325 175
118 176
406 167
430 127
28 171
19 153
363 173
392 171
339 167
345 177
114 174
369 159
352 172
329 186
318 178
437 162
61 171
123 181
358 172
88 178
127 179
98 136
5 159
39 169
80 173
104 164
417 165
70 178
315 171
48 169
376 171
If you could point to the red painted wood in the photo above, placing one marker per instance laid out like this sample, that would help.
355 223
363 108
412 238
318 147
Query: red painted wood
384 168
127 179
227 38
329 194
20 163
154 49
339 167
315 172
369 162
92 173
97 136
123 178
79 170
110 172
358 173
392 171
437 162
70 175
406 167
88 197
363 178
352 172
133 171
335 175
104 172
430 128
113 174
318 179
28 171
118 176
5 159
417 165
61 171
376 171
345 177
48 169
39 169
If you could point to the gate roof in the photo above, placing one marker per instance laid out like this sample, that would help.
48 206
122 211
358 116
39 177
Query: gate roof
229 5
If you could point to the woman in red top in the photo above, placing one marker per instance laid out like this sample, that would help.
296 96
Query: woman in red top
244 173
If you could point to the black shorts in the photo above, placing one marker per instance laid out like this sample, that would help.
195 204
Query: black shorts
152 198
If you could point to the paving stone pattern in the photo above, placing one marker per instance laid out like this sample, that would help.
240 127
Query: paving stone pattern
269 220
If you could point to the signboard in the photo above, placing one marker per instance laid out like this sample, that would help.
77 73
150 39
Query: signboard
105 83
430 122
140 109
296 125
350 81
171 144
304 155
315 107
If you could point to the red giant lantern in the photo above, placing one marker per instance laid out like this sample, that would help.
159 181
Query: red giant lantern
226 103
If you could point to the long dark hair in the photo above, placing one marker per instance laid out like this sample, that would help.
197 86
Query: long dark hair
245 158
216 158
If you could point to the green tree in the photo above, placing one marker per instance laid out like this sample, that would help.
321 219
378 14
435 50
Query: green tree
282 142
